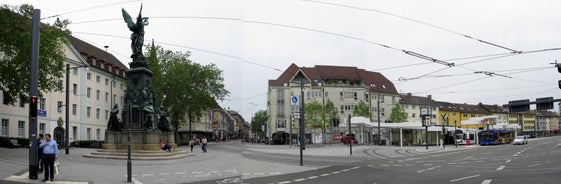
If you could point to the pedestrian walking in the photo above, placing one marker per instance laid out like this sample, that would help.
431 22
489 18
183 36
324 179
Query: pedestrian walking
441 143
50 155
191 144
40 153
204 141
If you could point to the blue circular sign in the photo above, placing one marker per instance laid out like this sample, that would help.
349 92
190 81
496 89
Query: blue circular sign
294 99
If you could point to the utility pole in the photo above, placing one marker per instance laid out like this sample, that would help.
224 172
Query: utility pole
302 123
350 137
33 92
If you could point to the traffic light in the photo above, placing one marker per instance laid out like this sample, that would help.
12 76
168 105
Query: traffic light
558 65
33 107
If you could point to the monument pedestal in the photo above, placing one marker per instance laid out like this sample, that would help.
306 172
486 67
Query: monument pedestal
140 140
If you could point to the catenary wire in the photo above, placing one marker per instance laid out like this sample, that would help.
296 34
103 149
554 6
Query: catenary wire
187 47
85 9
414 20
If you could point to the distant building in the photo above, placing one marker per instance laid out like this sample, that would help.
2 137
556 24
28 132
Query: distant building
342 85
412 107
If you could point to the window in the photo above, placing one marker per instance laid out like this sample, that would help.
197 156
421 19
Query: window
21 128
106 81
121 86
404 106
75 71
383 112
326 95
5 99
21 101
74 89
97 78
42 128
106 97
413 107
74 132
89 134
465 115
280 102
60 82
97 93
381 98
412 114
88 111
97 113
5 127
97 134
88 92
114 83
114 98
42 103
74 106
59 106
473 115
281 123
89 76
106 114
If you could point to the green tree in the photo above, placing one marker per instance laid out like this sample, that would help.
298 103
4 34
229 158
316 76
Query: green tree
314 114
362 110
189 88
15 53
331 113
259 119
398 114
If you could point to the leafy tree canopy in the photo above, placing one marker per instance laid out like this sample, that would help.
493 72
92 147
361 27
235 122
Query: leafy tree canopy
362 110
189 88
259 119
398 114
15 53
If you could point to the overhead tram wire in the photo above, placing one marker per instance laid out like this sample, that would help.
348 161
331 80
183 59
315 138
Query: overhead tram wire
187 47
414 20
454 84
162 17
84 9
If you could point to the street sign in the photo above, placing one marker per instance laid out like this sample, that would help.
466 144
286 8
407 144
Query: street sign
296 115
426 120
294 100
544 103
519 105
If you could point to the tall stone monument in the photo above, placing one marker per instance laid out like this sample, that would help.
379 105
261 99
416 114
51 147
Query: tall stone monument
138 111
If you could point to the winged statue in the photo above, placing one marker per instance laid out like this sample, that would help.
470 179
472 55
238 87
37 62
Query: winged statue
137 37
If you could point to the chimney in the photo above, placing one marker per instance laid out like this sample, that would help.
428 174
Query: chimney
408 95
429 96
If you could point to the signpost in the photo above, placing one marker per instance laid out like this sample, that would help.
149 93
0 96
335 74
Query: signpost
426 114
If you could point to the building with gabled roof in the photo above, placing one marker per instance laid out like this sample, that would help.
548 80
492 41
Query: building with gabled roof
345 86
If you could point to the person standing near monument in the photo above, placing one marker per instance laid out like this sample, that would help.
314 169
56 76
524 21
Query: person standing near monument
204 141
50 155
191 144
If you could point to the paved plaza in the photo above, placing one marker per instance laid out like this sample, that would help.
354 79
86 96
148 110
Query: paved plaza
225 160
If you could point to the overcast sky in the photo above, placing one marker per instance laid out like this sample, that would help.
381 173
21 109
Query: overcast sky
250 40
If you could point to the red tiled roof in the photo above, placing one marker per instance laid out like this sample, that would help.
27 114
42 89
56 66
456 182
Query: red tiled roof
90 52
323 72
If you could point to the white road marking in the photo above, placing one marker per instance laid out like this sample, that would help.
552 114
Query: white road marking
276 173
501 168
325 175
508 161
285 182
258 173
335 172
313 177
144 175
534 165
231 170
161 174
344 170
428 169
355 167
197 172
467 177
452 163
298 180
487 181
467 158
180 172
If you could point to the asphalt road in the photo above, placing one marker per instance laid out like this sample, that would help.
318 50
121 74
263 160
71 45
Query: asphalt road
537 162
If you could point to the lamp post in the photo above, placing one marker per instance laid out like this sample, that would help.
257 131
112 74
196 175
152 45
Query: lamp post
66 142
379 133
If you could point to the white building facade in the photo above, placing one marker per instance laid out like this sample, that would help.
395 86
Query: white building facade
92 90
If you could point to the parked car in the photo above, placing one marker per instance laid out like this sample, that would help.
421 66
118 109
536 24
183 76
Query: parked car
347 139
520 140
